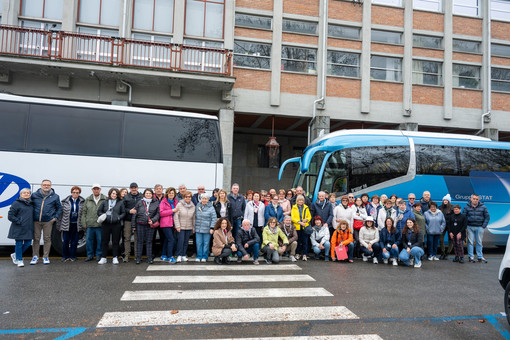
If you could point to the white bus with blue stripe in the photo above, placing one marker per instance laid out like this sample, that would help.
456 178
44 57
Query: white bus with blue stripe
400 162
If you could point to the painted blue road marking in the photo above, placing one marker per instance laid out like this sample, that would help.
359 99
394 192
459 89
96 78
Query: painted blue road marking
69 332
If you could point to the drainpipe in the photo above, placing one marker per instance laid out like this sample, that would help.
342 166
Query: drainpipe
130 91
323 68
489 71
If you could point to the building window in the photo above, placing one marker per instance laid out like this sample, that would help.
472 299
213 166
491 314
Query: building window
427 41
500 10
466 7
427 72
96 50
466 76
100 12
201 60
296 26
297 59
500 50
153 15
386 68
386 37
152 55
47 9
388 2
253 21
346 32
36 45
204 18
343 64
254 55
466 46
428 5
500 79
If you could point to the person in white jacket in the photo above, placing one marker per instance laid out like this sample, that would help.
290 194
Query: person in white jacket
320 238
385 212
369 240
343 212
254 212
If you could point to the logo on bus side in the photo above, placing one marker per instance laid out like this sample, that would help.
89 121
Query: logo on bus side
6 182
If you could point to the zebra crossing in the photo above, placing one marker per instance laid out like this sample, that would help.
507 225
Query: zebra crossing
224 316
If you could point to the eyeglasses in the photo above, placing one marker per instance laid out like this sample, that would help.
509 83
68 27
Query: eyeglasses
201 189
75 192
412 198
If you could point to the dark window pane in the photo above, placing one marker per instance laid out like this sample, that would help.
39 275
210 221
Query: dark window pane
386 37
345 71
171 138
500 50
14 125
466 46
74 131
247 61
436 160
253 49
253 21
478 159
295 26
347 32
427 41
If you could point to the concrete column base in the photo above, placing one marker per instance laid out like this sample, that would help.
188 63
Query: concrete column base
227 139
320 126
491 133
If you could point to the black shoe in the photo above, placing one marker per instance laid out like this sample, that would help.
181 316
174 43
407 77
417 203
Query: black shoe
456 259
226 260
268 261
88 259
138 260
482 260
461 260
150 261
443 257
217 260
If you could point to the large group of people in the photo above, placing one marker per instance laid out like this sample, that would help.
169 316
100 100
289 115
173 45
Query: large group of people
228 226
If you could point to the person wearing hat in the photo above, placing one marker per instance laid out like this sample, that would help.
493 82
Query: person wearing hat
130 201
369 240
320 238
90 224
447 210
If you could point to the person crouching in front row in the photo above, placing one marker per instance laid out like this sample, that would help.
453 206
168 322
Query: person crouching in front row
223 241
320 238
270 245
343 235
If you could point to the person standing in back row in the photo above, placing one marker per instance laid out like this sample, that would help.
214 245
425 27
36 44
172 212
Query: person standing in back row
238 205
90 224
47 210
478 218
130 201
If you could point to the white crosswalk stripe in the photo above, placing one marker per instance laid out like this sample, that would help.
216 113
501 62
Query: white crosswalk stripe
210 267
222 278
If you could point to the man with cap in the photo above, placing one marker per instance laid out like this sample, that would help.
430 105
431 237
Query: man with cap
89 220
130 201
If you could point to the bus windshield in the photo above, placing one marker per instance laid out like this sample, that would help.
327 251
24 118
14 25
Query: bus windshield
309 178
335 174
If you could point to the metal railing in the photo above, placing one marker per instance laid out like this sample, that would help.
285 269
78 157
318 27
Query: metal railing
78 47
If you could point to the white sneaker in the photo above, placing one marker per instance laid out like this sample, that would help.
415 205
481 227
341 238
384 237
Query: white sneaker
430 258
13 257
417 265
365 259
102 261
179 259
184 259
46 260
395 262
115 260
436 258
375 260
305 258
20 263
197 260
203 260
385 261
34 260
292 258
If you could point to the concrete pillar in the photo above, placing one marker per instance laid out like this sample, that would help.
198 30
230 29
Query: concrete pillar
179 10
366 37
276 52
10 12
227 139
408 127
491 133
69 13
485 73
320 126
125 23
448 60
230 12
407 72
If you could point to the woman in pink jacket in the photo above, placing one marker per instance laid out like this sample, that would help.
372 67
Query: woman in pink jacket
167 209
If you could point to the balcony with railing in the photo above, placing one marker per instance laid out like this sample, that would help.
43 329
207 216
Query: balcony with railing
113 51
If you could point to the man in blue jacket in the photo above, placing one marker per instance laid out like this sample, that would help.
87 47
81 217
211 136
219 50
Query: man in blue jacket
477 217
47 209
273 209
238 205
323 208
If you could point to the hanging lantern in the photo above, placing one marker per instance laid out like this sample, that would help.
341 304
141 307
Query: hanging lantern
272 149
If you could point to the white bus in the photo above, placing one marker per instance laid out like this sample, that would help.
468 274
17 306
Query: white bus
77 143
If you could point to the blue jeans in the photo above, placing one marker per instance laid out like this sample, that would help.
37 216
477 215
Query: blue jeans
182 242
94 234
432 243
21 246
168 245
236 224
327 247
203 245
70 241
416 252
376 249
393 252
475 234
255 248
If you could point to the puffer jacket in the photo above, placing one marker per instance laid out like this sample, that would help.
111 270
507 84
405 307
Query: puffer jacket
476 216
166 213
385 238
205 218
289 231
341 213
21 214
244 236
118 212
65 218
269 237
140 217
89 214
249 213
435 223
358 219
46 207
320 235
368 236
185 217
129 203
220 241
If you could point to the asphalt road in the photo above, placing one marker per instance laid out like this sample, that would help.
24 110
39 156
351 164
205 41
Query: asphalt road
442 300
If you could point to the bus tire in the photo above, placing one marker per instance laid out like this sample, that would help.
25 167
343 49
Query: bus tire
57 242
507 302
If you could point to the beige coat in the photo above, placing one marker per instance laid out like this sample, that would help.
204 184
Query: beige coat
185 217
219 241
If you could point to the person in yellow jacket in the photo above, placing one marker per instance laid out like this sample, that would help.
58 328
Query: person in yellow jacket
270 236
301 217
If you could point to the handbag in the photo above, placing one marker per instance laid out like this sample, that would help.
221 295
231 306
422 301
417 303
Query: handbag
308 230
341 252
101 218
154 224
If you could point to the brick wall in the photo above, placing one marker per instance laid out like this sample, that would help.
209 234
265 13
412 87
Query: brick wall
251 33
386 91
299 39
428 21
467 26
467 98
302 7
476 58
299 83
501 101
423 52
351 44
345 10
499 30
427 95
252 79
395 49
259 4
343 87
382 15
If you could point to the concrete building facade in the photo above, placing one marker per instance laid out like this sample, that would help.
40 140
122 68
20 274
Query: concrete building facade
288 66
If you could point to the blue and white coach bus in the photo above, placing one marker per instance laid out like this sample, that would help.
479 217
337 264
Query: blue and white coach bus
76 143
399 162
